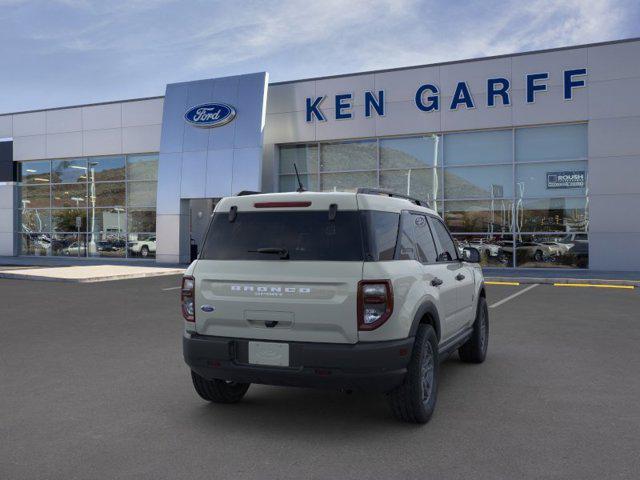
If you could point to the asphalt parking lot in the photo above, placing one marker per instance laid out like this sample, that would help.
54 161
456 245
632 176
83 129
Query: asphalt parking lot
93 386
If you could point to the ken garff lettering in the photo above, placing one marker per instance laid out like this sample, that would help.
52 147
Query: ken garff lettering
210 115
427 96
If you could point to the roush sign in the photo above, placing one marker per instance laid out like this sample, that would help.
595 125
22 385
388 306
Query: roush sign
568 179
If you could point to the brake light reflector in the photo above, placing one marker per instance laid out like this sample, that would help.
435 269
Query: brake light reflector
375 303
187 298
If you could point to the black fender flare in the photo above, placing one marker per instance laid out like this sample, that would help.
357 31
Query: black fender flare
482 291
429 308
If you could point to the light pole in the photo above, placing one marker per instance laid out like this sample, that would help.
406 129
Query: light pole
92 196
79 167
119 210
519 209
436 142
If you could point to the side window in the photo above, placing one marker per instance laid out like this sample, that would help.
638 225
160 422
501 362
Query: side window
424 241
406 240
381 231
446 247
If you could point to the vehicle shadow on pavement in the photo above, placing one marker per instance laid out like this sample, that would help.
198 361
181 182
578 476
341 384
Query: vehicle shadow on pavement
286 410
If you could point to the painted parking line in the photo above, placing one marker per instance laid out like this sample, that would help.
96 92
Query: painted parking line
513 284
593 285
171 288
511 297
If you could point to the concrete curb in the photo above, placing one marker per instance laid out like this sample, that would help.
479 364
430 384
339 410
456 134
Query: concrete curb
20 276
551 281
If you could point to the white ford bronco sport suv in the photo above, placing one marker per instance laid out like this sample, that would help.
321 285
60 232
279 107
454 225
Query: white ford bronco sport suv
351 291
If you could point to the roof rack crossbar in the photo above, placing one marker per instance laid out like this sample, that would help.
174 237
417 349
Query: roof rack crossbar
390 193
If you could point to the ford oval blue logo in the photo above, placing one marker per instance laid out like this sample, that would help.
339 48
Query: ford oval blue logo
210 115
207 308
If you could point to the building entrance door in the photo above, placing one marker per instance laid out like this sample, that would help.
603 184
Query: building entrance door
200 211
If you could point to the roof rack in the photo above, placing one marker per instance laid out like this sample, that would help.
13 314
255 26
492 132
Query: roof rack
389 193
246 192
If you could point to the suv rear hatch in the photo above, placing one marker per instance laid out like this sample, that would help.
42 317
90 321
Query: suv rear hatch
281 267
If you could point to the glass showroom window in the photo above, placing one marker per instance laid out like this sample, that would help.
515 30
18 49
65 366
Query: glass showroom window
551 197
410 166
527 211
96 206
406 165
478 192
346 166
498 189
305 158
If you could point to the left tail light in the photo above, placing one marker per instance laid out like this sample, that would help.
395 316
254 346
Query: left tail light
375 303
187 298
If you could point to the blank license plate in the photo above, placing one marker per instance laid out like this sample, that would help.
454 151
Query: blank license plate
268 353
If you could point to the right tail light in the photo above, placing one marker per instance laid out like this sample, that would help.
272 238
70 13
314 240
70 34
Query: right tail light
375 303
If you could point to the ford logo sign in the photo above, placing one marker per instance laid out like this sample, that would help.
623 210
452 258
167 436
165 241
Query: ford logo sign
207 308
210 115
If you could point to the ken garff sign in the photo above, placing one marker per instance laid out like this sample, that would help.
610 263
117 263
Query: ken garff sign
427 96
210 115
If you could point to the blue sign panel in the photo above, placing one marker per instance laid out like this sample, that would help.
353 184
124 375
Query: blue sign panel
568 179
210 115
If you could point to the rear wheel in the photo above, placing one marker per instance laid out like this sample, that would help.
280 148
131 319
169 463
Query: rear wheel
144 251
219 391
475 349
415 400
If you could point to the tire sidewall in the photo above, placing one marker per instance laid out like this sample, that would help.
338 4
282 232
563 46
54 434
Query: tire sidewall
423 409
482 315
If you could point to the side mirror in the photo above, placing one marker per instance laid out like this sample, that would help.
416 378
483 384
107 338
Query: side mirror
470 254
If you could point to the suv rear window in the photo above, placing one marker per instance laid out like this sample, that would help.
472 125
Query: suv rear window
351 236
304 235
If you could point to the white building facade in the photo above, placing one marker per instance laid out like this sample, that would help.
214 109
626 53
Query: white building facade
533 158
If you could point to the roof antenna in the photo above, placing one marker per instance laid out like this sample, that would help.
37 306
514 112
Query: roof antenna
300 186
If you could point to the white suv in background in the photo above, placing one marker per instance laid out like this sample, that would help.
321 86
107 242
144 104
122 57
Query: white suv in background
352 291
143 247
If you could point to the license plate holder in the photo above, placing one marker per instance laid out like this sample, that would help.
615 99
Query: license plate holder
269 353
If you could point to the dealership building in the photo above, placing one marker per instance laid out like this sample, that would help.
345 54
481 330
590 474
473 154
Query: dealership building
533 158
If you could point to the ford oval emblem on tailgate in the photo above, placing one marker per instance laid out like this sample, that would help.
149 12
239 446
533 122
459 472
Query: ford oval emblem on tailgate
207 308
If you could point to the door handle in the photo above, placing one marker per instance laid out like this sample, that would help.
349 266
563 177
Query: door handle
460 277
436 282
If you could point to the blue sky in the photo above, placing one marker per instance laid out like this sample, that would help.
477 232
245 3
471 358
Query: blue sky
67 52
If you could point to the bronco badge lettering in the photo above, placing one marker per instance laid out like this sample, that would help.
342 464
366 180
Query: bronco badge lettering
264 290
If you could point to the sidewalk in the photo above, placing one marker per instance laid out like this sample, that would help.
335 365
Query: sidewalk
87 273
62 270
28 262
562 276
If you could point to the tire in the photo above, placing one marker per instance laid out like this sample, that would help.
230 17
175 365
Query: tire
475 349
538 256
219 391
144 251
415 400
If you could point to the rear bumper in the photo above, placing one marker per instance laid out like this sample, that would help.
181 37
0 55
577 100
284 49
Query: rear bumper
371 366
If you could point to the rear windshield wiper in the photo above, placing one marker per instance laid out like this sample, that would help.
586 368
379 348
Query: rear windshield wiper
283 252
